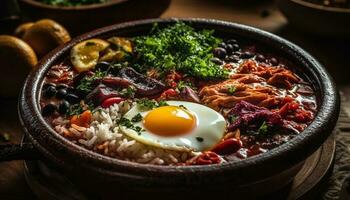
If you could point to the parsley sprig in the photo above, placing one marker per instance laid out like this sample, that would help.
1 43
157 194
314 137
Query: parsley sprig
148 104
179 47
87 83
128 124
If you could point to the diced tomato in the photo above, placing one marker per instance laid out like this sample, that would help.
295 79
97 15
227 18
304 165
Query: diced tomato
284 110
83 120
287 99
289 107
170 92
303 116
293 106
228 146
174 76
110 101
207 158
173 84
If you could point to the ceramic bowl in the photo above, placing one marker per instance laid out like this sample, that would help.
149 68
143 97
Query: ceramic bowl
102 176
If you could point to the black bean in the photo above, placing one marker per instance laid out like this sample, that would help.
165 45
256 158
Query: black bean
64 107
237 53
46 85
260 58
48 110
50 91
246 55
61 86
72 98
102 66
231 41
61 93
235 47
274 61
217 61
219 52
232 58
229 48
222 45
79 93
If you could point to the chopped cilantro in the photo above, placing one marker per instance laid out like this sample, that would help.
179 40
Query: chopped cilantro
128 124
148 104
231 89
75 109
137 118
162 103
182 84
179 47
128 92
86 84
232 118
79 108
263 128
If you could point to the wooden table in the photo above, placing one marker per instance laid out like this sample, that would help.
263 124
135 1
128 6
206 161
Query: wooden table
263 14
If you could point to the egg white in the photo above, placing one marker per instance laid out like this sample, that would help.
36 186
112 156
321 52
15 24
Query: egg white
211 126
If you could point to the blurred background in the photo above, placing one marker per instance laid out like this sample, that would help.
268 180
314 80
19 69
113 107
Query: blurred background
29 29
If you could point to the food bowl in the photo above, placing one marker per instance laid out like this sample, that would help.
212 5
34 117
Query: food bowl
101 176
315 18
80 19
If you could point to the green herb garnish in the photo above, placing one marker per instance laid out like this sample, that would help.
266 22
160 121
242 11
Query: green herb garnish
79 108
231 89
148 104
137 118
128 92
263 128
86 84
128 124
75 109
162 103
232 118
182 84
179 47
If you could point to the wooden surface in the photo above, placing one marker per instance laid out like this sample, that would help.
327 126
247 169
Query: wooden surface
333 53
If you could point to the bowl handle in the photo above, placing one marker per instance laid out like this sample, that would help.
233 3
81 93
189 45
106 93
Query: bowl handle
24 151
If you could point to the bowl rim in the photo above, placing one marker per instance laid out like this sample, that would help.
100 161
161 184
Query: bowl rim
321 7
329 104
72 8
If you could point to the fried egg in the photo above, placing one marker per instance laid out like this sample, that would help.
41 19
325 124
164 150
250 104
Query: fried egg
180 126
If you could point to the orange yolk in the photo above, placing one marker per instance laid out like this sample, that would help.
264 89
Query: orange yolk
169 121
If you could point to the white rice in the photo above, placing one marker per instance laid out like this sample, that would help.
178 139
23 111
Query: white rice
104 136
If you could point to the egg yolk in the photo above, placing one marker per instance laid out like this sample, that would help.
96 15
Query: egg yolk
169 121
